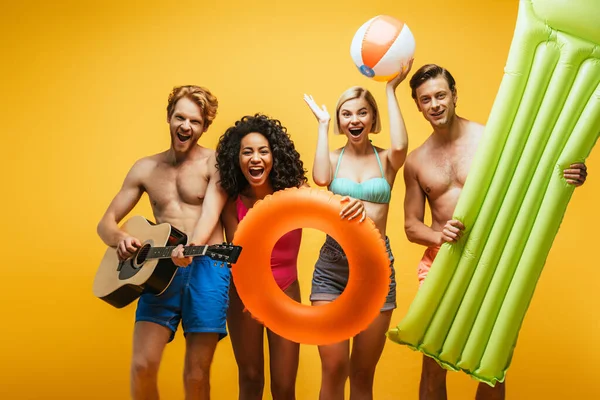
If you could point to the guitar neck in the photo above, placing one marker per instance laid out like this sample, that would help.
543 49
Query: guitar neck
165 252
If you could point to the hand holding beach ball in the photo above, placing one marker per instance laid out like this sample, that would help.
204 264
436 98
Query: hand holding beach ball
381 47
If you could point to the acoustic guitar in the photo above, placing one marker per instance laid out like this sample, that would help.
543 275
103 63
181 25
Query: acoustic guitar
150 269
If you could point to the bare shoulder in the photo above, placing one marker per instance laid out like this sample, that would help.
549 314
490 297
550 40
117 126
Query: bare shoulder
381 151
201 155
473 133
411 165
204 154
144 166
207 153
205 162
210 158
420 158
334 155
419 153
475 128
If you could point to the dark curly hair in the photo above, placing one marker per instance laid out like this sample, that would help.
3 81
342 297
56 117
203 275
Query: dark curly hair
288 170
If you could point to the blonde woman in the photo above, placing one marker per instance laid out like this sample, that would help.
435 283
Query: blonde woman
366 172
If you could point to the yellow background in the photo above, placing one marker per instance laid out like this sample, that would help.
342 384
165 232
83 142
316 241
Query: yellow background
84 90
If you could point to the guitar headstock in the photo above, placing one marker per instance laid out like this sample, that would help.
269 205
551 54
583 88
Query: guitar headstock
224 252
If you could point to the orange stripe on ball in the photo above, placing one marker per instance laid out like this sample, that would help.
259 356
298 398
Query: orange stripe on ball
378 39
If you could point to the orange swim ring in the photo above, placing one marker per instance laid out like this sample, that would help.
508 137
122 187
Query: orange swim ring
369 274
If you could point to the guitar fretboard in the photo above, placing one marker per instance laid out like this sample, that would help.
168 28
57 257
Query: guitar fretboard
165 252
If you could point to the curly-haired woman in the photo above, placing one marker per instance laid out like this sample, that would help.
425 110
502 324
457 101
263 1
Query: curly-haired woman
256 157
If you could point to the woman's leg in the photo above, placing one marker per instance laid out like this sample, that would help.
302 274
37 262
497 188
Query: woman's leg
247 340
366 351
284 355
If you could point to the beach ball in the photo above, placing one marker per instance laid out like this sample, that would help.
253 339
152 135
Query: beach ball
381 46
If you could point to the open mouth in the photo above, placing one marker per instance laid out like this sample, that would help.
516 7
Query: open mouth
256 172
355 131
183 138
437 114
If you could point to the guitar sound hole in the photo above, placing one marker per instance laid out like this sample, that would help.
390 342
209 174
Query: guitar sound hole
140 258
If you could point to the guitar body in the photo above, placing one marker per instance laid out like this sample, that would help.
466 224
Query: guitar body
119 283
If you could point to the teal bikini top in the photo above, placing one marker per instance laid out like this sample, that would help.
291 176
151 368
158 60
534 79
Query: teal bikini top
374 190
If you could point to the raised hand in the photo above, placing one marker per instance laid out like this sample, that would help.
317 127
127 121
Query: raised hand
321 113
402 74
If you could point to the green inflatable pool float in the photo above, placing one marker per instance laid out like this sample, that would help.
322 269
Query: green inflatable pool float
468 313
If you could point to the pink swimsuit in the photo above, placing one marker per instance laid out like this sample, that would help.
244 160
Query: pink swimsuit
284 258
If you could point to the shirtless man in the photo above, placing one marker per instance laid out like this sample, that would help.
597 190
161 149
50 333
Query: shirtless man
182 186
436 171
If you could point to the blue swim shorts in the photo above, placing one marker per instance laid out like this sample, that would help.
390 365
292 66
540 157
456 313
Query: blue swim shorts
198 296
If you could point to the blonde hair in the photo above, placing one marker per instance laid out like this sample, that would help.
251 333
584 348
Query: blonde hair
201 96
357 92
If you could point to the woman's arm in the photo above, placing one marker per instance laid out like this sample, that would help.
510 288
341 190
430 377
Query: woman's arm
396 154
322 166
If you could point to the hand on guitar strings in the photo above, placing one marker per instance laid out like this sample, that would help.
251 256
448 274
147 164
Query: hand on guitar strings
127 247
178 258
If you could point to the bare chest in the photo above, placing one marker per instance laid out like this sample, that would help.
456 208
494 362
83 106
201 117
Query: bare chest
444 171
169 186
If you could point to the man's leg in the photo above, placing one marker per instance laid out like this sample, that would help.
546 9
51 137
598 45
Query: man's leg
149 341
204 315
433 381
486 392
200 348
433 377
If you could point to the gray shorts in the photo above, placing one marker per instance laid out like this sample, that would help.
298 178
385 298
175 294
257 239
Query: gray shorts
331 274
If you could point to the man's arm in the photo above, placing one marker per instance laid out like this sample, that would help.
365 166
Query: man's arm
128 196
414 210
